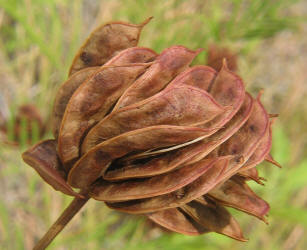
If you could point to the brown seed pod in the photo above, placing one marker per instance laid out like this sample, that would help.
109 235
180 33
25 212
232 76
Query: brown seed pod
167 65
176 221
237 194
214 217
104 42
147 134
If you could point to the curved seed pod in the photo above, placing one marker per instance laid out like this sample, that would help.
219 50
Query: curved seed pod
43 158
94 163
250 135
170 107
64 94
104 42
237 194
231 94
175 220
196 151
132 55
92 100
166 66
214 217
244 144
231 128
248 170
127 56
157 185
181 196
197 76
262 150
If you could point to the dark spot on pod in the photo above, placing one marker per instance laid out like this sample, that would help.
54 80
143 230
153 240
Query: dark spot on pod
86 57
252 128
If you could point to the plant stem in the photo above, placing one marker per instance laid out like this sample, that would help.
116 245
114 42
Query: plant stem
73 208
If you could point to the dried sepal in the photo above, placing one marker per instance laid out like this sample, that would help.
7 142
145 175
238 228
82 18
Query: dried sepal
44 159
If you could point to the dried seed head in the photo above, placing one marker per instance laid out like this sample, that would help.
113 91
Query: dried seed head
147 134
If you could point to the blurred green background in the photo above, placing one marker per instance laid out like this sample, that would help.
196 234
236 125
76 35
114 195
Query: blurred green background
38 39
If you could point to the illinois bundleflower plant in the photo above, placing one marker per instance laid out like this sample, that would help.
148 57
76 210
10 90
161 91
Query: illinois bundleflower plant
149 134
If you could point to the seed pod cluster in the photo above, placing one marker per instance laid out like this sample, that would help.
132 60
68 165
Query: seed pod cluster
149 134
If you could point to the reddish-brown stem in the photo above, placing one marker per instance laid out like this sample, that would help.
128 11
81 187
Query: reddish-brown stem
73 208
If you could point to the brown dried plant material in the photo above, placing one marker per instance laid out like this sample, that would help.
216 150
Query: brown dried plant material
64 94
191 153
95 162
243 143
167 65
44 159
156 185
252 174
127 56
175 220
214 217
262 150
147 134
90 102
181 196
172 105
237 194
197 76
104 42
